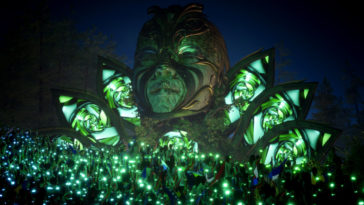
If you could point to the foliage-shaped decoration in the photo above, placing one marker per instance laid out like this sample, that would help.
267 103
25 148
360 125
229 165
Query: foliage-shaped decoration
179 75
114 83
89 116
177 140
264 119
297 140
274 106
258 112
247 79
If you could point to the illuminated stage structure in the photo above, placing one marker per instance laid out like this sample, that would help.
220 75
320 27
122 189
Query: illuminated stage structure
181 71
181 127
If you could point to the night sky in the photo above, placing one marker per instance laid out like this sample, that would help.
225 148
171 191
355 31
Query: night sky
321 39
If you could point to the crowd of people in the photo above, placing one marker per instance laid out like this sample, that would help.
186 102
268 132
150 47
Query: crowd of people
42 170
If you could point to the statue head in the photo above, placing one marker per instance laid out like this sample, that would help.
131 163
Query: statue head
179 59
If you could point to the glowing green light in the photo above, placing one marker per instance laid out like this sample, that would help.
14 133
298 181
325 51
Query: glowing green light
361 202
294 95
275 111
106 73
225 185
187 49
90 118
313 136
353 178
332 185
227 192
305 93
118 93
149 187
245 85
257 66
325 138
64 99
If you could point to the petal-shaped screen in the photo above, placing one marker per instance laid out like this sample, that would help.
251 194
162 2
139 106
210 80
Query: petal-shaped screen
89 116
248 78
297 140
114 83
274 106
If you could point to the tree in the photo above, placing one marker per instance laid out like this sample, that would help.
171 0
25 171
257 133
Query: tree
38 54
329 108
282 73
352 93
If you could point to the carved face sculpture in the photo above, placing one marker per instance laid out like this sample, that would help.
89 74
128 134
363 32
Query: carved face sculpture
180 57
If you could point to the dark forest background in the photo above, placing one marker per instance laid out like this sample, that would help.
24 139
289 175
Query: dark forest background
39 52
